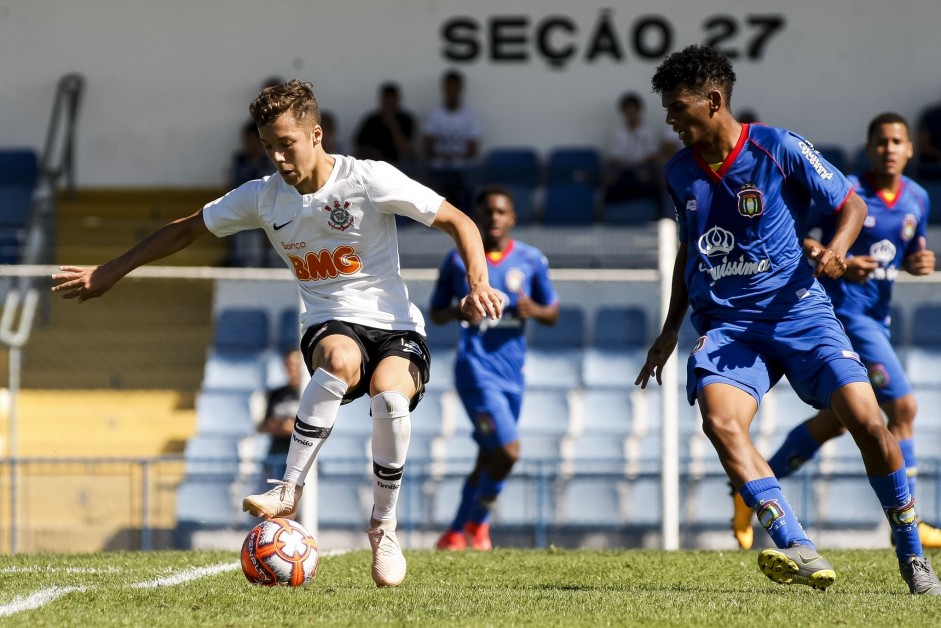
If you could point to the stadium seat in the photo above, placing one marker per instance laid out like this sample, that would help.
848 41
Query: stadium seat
224 412
636 211
289 330
597 452
574 164
897 330
923 357
205 502
555 353
707 503
619 348
518 503
19 176
226 371
511 166
933 187
593 501
835 155
343 501
524 203
607 412
846 503
212 456
241 330
569 204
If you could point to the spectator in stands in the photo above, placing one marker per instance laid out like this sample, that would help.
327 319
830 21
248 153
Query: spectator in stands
451 134
387 134
929 143
280 411
892 239
249 248
740 265
332 220
489 365
331 143
635 154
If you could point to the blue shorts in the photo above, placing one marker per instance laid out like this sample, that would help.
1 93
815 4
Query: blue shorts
495 415
870 338
813 351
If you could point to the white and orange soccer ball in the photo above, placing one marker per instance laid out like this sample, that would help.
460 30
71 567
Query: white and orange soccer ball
280 552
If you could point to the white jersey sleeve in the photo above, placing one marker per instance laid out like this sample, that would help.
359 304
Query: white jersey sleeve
391 192
236 211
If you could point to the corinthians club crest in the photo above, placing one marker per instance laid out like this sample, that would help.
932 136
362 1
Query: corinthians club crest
340 217
751 201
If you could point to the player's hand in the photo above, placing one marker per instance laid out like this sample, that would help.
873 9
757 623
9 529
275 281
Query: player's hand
83 282
658 355
525 307
859 268
829 263
482 301
922 262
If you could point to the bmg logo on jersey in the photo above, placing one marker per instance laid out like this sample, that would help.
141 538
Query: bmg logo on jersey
325 264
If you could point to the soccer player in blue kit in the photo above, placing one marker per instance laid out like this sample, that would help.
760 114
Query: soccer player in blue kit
489 365
892 239
742 193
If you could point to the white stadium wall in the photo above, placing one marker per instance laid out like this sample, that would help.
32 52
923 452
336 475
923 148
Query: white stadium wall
168 82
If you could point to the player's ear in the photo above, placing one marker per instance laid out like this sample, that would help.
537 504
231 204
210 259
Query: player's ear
316 134
715 100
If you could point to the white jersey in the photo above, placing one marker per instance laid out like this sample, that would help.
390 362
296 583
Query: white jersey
340 242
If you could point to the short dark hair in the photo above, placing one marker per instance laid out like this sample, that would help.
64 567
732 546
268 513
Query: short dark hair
294 96
389 87
630 98
492 189
697 68
889 117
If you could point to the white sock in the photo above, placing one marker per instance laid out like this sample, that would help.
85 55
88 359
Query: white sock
316 414
391 431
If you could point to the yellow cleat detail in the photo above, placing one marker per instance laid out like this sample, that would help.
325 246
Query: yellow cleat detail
741 522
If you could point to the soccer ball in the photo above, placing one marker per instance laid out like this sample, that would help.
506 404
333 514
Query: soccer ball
279 552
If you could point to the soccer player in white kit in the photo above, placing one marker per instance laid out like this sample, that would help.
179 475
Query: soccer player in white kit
331 218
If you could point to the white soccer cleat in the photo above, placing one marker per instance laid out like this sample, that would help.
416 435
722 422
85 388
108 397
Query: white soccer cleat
388 563
281 501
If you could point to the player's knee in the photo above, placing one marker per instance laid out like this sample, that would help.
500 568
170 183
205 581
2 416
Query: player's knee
341 363
390 404
509 454
903 410
721 428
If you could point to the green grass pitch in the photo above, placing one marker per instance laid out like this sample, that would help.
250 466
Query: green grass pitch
500 588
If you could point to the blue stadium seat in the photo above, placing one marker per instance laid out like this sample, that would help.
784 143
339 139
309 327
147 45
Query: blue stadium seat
227 371
596 452
224 412
524 203
897 329
343 501
511 166
636 211
241 329
212 456
289 330
923 357
835 155
593 501
848 502
619 348
555 353
933 187
574 164
708 502
19 176
205 502
926 330
569 204
607 412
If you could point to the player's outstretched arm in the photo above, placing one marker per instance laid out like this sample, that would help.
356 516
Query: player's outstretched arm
83 283
665 344
831 260
481 300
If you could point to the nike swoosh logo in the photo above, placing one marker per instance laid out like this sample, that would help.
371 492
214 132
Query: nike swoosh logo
807 561
277 226
382 473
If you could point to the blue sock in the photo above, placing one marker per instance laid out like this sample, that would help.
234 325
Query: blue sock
911 463
797 448
487 493
764 496
899 507
464 510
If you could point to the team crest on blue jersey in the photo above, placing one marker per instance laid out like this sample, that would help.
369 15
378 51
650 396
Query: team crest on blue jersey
908 227
878 376
700 343
514 280
340 217
691 205
751 201
869 222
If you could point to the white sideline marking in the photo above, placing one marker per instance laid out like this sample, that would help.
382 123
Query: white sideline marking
186 576
39 569
36 599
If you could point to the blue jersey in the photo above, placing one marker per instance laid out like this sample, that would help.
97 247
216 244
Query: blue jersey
740 224
893 230
492 354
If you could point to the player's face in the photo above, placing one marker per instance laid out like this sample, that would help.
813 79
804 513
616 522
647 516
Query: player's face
889 149
495 217
689 113
291 146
